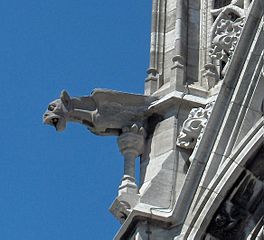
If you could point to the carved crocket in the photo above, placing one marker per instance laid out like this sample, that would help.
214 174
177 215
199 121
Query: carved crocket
193 126
105 112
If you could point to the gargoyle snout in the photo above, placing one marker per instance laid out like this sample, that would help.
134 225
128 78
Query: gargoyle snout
46 117
54 120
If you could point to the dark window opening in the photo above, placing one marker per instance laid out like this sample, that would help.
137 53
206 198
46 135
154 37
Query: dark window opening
221 3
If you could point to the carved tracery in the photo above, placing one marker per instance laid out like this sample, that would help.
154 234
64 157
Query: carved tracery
222 23
225 38
226 30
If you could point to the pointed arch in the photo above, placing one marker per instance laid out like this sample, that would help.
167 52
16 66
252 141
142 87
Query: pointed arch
230 171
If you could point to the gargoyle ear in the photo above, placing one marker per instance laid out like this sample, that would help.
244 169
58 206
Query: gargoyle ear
66 99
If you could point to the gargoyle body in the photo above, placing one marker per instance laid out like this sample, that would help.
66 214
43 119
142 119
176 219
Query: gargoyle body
105 112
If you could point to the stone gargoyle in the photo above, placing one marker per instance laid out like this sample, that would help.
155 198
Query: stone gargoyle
104 112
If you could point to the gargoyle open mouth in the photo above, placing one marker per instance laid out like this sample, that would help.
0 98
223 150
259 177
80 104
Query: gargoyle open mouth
56 121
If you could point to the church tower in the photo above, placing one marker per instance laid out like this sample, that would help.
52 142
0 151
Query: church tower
198 129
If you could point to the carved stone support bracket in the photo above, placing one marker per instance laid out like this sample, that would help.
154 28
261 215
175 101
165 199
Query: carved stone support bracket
131 143
193 126
106 112
120 208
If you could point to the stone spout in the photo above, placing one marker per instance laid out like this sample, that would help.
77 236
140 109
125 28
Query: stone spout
104 112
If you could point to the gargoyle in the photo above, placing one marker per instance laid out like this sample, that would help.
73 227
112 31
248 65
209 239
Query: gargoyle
228 222
105 112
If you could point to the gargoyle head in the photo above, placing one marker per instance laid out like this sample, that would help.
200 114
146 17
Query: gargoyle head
57 112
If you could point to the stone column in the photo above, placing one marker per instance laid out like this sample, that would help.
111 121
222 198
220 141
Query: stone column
131 143
178 69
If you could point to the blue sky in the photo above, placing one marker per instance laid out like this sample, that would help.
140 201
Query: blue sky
60 185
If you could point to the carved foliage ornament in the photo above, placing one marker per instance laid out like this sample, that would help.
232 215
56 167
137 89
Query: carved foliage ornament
193 126
226 30
227 33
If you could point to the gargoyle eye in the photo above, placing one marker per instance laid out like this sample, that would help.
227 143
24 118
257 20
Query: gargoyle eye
51 107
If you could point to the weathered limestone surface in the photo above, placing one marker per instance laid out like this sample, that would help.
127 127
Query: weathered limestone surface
198 130
105 112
